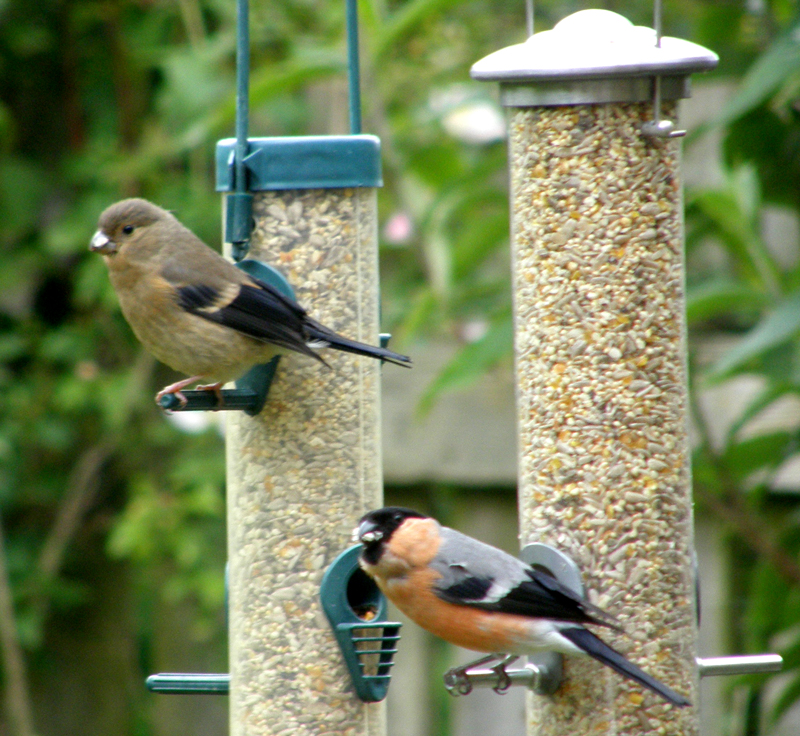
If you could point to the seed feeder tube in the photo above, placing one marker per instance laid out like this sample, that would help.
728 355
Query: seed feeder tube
309 464
600 349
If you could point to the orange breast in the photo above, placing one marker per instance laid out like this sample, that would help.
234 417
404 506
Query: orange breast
463 626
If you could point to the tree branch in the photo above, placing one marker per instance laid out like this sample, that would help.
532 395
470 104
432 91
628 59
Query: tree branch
81 488
17 693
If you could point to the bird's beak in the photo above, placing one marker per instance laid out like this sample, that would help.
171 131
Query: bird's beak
101 243
367 532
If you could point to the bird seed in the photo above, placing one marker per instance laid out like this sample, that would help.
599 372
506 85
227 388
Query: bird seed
600 345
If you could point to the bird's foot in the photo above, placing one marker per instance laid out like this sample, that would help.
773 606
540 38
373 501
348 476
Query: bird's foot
503 679
217 389
174 389
456 680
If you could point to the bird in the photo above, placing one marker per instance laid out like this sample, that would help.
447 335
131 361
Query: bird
478 597
197 312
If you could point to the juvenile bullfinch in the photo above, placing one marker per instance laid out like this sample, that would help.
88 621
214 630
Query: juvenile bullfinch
481 598
197 312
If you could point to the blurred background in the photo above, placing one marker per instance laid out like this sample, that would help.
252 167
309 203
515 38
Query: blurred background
112 528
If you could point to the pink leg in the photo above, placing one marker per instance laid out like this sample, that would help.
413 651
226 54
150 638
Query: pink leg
216 388
175 388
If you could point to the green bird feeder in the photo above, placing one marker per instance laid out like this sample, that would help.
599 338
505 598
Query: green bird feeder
356 610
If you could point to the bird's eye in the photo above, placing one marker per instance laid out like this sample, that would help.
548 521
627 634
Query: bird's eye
128 229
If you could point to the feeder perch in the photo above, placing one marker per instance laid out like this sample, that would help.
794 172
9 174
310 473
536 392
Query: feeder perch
541 675
184 683
356 610
252 388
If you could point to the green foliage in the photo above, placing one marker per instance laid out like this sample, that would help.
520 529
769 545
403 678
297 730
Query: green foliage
778 327
474 361
717 298
771 77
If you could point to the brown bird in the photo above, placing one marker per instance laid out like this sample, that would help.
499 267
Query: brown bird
197 312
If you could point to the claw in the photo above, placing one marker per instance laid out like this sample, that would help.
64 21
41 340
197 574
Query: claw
457 682
217 389
503 679
175 390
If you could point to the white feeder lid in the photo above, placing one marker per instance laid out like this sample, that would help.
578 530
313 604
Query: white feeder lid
592 44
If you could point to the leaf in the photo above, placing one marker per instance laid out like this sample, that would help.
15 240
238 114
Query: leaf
22 187
737 230
763 399
770 142
13 346
473 246
778 327
403 21
472 361
769 71
721 297
756 453
421 307
266 83
787 699
764 611
791 654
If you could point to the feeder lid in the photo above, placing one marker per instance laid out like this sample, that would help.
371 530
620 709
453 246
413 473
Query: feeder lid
593 44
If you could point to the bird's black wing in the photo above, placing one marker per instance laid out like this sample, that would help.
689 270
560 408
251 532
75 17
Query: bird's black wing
538 596
257 310
475 574
260 311
542 592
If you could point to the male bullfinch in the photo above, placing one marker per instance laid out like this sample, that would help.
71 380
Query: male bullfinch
197 312
478 597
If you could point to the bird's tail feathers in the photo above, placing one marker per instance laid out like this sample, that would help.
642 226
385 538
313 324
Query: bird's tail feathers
599 617
597 648
321 337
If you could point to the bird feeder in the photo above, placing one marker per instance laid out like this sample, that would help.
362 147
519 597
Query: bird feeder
356 611
309 463
600 346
